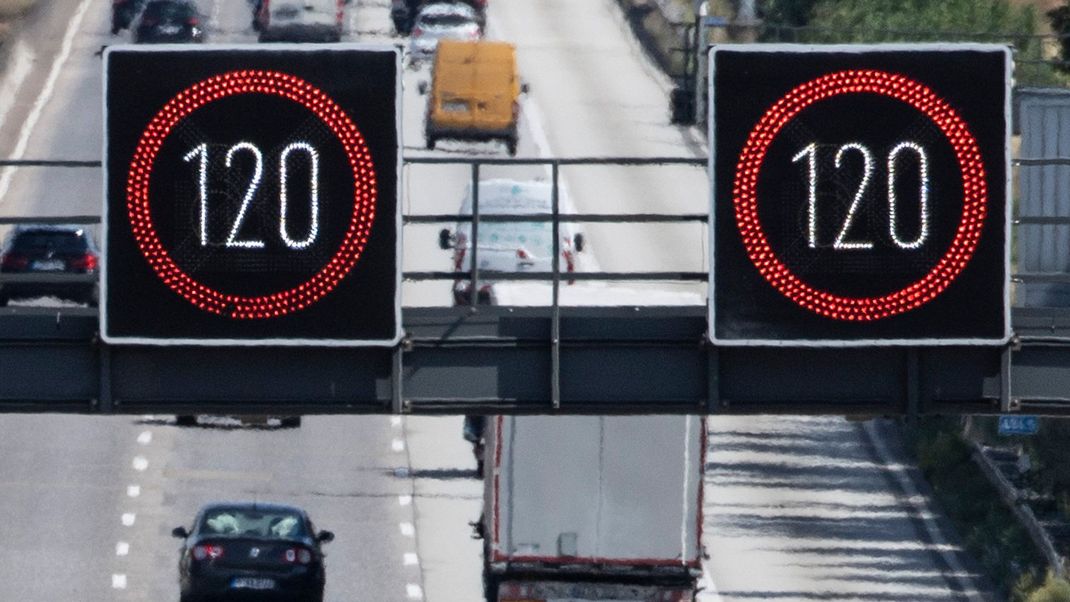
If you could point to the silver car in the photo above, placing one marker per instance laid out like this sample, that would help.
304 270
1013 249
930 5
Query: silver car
442 20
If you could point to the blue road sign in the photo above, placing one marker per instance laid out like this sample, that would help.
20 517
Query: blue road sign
1018 425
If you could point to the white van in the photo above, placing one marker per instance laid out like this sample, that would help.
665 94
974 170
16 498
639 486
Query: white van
511 246
300 20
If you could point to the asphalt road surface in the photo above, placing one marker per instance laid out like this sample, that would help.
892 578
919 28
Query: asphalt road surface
796 509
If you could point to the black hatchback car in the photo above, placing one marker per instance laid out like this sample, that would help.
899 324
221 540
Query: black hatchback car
251 551
167 21
47 249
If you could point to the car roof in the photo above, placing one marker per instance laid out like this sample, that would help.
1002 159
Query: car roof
447 8
263 506
501 195
73 228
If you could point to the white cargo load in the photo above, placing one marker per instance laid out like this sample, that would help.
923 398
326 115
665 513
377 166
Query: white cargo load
617 494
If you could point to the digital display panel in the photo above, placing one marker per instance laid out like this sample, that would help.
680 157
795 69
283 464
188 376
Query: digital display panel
251 195
859 194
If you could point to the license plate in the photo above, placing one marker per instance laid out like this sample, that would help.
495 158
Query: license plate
252 583
455 107
47 265
170 29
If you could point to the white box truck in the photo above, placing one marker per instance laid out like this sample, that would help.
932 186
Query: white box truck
593 508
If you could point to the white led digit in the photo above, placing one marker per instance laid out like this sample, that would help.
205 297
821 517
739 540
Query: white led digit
313 229
811 215
923 195
249 194
867 159
202 186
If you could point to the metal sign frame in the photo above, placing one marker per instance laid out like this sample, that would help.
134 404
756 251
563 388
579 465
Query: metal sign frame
257 49
858 49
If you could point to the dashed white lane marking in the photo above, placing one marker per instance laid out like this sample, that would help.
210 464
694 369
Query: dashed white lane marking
118 581
122 548
352 20
216 6
145 438
395 421
129 518
140 463
405 500
407 529
411 559
397 445
414 591
133 490
73 27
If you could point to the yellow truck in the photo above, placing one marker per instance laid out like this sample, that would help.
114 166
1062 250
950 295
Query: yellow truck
474 93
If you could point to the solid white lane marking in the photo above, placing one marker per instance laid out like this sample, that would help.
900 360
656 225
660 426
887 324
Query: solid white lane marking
395 421
129 518
407 529
414 591
411 559
405 500
709 590
919 510
73 27
21 64
397 445
145 438
133 490
118 581
140 463
122 548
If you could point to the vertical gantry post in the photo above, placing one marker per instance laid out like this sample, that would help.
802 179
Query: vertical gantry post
913 384
397 365
555 308
473 295
1006 398
106 404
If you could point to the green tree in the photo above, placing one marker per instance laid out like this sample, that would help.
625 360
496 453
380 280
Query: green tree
1054 590
995 21
1059 17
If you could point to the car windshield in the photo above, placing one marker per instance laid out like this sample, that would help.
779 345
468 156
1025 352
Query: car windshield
50 240
169 11
246 522
444 19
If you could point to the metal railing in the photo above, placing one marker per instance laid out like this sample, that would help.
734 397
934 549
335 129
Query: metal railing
555 217
475 276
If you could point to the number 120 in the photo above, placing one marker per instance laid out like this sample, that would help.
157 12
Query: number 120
899 152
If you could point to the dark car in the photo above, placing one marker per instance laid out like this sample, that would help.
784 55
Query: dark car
123 13
47 249
264 551
403 12
166 21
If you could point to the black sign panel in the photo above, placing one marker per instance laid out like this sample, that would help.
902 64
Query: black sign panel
859 195
252 195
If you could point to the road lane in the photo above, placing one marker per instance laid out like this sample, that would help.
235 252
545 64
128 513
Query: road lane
799 508
593 93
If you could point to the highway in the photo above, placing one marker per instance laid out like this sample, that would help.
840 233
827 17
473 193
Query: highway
796 509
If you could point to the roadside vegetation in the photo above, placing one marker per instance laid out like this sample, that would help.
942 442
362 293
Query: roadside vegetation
987 528
873 21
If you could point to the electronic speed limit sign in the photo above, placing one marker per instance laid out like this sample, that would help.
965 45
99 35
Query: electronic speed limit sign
859 194
252 195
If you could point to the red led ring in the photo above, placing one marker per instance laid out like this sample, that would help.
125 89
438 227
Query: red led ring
292 88
898 87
